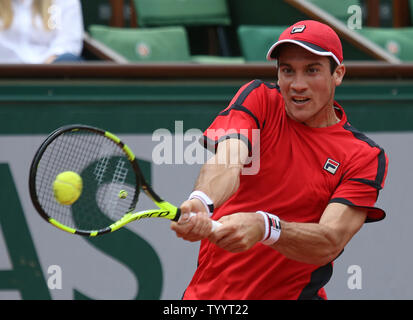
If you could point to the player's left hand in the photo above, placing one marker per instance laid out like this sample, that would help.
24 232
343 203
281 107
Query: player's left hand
239 231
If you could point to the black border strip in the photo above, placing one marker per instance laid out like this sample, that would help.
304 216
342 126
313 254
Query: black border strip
313 46
240 108
238 104
319 278
381 170
212 145
371 183
360 136
373 210
245 93
381 166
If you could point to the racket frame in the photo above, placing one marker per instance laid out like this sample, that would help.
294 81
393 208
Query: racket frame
166 210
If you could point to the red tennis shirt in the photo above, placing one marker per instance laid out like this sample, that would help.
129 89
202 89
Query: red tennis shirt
300 171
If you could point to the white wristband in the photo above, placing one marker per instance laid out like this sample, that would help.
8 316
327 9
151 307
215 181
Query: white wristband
206 201
272 228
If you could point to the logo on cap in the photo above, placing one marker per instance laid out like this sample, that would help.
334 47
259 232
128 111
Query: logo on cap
298 29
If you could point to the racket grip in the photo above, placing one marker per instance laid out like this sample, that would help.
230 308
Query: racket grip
215 224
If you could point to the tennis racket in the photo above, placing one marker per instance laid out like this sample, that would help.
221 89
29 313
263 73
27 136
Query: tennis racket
111 182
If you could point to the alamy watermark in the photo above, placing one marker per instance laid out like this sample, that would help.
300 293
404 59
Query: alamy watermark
356 17
54 281
191 147
354 281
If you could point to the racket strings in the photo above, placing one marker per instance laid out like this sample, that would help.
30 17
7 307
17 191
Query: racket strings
57 158
111 198
54 161
105 172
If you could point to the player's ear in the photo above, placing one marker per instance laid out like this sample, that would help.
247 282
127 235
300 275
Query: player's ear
338 74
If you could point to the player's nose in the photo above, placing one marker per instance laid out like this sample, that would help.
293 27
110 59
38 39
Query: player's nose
299 85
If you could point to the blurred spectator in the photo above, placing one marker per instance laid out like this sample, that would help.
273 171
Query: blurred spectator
40 31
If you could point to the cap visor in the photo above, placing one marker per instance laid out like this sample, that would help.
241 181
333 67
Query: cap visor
306 45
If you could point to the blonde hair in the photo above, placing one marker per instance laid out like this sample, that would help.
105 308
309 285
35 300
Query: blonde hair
39 7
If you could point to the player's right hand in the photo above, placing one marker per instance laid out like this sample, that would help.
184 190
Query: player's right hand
192 228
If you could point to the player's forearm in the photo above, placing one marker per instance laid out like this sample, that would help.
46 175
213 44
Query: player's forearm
319 243
218 182
311 243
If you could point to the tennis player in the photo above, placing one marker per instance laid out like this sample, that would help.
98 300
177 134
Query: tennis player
318 181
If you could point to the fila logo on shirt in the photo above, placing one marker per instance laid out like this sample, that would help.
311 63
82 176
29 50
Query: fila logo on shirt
331 166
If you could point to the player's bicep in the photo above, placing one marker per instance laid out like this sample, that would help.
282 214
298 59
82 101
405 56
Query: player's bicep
231 153
344 222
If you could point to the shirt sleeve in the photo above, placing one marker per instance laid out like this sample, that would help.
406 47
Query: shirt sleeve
242 119
362 182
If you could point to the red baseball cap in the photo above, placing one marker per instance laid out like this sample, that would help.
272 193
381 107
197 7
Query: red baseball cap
314 36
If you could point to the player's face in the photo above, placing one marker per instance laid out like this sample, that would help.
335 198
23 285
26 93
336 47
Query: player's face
308 86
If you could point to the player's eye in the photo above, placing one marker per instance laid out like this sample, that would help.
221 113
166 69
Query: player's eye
313 70
286 70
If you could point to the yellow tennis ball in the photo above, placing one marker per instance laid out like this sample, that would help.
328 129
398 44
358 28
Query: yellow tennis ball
123 194
67 187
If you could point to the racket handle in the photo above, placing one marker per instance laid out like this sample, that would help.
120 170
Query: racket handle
215 224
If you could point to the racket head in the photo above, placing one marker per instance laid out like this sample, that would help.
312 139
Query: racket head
110 175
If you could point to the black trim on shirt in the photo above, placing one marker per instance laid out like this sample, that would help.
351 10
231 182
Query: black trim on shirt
245 93
318 280
238 104
371 183
370 209
381 167
251 87
359 135
212 145
240 108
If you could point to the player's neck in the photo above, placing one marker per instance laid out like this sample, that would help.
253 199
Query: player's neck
326 117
